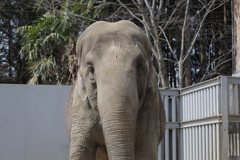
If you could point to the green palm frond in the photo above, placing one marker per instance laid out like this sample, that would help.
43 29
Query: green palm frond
43 42
52 37
42 67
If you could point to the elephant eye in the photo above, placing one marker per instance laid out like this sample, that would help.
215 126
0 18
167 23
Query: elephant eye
140 70
90 70
139 66
90 73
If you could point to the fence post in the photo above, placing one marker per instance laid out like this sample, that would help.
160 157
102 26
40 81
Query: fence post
174 130
166 105
180 119
224 140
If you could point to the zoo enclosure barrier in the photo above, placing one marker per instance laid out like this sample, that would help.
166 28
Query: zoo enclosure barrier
203 121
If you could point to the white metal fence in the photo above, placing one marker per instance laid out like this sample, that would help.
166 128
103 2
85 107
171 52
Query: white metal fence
203 121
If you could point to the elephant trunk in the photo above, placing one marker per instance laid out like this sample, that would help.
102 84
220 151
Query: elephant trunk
118 105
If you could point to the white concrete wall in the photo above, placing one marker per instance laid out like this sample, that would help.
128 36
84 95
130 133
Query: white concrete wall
32 123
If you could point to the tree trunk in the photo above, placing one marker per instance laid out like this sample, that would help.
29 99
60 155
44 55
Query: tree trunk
236 53
180 73
163 73
187 63
184 64
202 49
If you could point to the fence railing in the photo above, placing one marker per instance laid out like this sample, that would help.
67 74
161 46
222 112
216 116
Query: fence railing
171 103
203 121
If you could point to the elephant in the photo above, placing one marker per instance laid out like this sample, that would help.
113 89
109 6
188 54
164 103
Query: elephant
114 110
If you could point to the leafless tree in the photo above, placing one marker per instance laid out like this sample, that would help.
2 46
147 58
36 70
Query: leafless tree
189 19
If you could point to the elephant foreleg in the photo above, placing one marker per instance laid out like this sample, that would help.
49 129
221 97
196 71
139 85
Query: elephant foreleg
147 151
81 147
101 153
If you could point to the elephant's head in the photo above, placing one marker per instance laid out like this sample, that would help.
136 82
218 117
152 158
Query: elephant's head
115 73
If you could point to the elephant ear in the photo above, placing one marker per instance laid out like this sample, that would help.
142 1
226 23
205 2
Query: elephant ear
76 99
153 101
80 87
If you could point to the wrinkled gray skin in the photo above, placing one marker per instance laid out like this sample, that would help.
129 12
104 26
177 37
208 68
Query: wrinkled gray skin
114 110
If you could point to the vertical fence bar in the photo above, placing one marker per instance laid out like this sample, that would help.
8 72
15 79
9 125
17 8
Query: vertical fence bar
174 134
191 106
197 142
203 143
166 105
235 144
188 147
210 142
181 145
163 150
182 101
207 103
184 144
174 144
160 151
192 113
207 142
214 100
224 111
181 131
230 146
230 102
193 143
217 141
238 140
197 105
217 100
187 107
179 109
214 141
211 101
174 111
190 143
202 104
236 99
238 147
200 143
167 144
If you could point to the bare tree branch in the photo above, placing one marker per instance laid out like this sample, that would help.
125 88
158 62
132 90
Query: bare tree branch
199 28
132 14
183 32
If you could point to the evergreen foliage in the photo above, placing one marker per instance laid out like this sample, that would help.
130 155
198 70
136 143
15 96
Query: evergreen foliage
49 42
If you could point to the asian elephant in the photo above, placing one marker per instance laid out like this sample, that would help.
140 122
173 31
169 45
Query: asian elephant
114 109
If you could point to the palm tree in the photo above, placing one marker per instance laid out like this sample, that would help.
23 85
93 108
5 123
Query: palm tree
49 43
